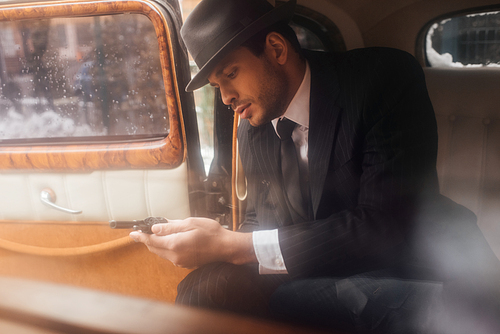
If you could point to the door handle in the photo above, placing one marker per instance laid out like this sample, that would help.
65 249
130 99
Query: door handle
48 197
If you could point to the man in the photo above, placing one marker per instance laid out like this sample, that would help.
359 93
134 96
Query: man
348 228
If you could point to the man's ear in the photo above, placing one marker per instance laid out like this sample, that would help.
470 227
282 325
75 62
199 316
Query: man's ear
277 47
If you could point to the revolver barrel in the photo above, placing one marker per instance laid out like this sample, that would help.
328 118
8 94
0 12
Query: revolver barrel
138 225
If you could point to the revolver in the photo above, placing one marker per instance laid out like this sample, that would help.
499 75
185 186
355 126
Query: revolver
138 225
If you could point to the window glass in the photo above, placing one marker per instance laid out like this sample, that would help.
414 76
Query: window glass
467 40
204 100
307 39
81 77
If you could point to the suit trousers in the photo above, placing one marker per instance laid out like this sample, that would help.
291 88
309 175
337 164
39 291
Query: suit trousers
371 303
358 303
365 303
229 287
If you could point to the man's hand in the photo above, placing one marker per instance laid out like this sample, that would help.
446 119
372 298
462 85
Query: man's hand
193 242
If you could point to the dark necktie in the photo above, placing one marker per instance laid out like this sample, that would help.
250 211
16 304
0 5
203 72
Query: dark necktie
290 168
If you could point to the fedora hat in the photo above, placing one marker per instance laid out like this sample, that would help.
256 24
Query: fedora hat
217 27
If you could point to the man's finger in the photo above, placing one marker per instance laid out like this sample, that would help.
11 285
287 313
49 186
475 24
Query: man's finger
152 241
173 226
138 236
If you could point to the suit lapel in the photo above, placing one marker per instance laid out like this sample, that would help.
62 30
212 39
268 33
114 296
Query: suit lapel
323 124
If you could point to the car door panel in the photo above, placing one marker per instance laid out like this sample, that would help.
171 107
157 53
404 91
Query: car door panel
125 174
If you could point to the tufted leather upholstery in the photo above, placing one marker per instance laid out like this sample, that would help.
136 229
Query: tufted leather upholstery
101 195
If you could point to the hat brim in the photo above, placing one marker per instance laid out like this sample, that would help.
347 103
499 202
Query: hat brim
282 13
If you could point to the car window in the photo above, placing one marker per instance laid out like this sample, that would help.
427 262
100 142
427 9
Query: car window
204 101
81 77
97 81
471 40
316 31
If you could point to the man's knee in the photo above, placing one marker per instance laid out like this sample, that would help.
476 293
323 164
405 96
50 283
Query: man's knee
206 286
224 286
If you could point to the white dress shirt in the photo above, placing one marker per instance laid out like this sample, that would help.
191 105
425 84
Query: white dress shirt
266 243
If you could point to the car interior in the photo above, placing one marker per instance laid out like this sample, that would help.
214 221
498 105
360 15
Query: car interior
95 126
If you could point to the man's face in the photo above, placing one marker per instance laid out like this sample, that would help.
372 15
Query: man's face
253 86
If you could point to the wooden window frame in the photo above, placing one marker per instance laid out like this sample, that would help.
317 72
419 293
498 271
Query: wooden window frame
167 152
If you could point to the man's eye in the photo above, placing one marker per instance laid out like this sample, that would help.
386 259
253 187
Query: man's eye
232 74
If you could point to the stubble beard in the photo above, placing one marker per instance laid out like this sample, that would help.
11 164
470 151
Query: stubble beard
272 96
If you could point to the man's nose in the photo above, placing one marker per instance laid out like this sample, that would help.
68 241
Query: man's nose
228 95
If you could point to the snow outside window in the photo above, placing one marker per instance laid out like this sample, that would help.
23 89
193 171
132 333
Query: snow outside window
84 77
471 40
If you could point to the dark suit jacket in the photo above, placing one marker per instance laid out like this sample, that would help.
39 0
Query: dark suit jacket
372 166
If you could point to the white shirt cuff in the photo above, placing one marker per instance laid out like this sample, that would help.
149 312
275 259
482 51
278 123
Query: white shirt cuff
267 249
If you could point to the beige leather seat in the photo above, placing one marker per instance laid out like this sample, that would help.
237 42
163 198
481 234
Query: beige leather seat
467 106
